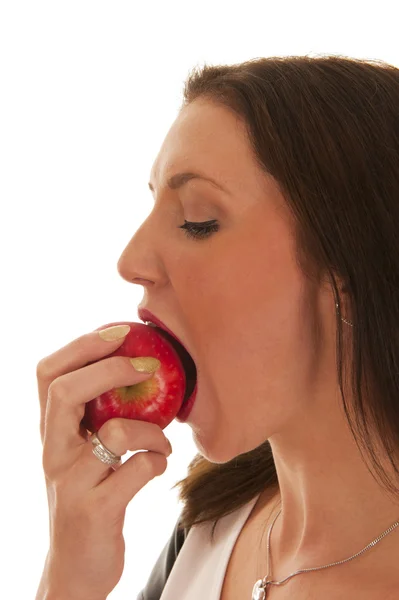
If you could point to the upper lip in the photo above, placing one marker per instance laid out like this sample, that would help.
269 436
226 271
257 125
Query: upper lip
146 315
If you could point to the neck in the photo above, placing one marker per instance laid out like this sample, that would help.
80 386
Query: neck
331 505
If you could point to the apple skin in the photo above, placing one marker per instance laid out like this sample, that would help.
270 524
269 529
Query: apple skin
156 400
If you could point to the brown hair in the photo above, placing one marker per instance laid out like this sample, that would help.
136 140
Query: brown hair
327 129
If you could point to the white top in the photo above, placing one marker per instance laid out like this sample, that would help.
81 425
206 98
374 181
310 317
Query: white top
201 565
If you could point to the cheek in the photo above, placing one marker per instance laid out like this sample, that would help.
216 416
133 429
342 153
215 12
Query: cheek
250 391
253 387
241 298
244 295
255 360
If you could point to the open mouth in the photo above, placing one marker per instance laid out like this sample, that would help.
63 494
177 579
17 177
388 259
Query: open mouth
186 360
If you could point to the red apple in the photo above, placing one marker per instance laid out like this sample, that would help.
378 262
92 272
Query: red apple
156 400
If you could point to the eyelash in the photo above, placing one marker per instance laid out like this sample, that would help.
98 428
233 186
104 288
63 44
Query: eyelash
199 230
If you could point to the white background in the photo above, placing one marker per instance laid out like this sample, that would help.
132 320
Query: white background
88 91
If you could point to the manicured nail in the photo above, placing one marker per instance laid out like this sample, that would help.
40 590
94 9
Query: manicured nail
144 364
117 332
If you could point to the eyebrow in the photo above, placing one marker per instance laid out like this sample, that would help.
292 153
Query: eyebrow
177 181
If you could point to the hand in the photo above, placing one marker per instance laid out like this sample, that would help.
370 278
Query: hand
88 499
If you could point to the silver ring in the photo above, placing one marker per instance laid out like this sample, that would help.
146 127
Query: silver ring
105 455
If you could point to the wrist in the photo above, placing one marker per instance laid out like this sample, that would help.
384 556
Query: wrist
58 592
52 588
54 594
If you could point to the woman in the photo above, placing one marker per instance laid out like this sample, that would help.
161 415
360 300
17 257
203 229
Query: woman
284 286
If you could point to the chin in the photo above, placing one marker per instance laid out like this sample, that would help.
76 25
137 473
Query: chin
213 435
216 449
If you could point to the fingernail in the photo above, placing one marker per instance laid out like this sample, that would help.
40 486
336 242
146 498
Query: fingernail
144 364
117 332
170 446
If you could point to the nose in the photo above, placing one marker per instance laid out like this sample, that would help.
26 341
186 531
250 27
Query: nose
138 262
142 260
126 269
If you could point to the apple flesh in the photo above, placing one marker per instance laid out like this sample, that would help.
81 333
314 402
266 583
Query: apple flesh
156 400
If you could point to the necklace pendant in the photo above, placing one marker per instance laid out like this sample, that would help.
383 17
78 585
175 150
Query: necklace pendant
259 592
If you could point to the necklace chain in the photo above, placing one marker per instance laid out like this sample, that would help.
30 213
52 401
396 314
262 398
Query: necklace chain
260 588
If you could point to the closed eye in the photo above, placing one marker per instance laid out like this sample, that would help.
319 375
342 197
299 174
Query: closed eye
203 230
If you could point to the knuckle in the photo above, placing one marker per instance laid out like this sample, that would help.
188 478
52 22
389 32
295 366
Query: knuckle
161 464
61 486
151 462
114 429
113 370
144 462
43 370
58 488
109 366
47 467
57 389
53 471
115 366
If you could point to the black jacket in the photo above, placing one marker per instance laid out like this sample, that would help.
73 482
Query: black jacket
163 566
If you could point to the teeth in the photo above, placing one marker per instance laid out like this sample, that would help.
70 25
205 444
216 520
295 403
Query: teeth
150 323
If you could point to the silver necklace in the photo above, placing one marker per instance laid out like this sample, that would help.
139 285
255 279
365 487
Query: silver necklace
260 588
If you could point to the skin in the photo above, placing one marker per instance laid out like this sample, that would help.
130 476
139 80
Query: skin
249 317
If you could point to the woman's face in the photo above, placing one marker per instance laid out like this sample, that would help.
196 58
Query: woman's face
236 298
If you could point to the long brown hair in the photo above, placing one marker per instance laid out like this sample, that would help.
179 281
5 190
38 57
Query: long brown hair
327 129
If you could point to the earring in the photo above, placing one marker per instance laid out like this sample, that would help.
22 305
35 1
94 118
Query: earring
344 320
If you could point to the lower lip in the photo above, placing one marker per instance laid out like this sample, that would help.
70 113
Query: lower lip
184 412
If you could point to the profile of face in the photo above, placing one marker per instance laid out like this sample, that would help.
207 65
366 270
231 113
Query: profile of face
236 297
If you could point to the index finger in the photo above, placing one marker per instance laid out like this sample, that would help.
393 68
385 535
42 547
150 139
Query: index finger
82 351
